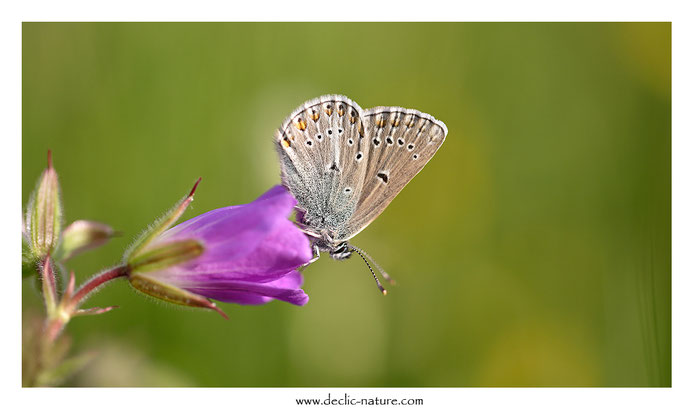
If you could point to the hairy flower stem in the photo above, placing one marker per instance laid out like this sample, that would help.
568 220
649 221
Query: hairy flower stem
95 282
50 295
71 302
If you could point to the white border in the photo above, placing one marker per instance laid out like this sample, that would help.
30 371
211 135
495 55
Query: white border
358 10
352 10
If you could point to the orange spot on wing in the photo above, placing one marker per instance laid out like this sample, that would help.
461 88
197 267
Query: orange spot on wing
300 124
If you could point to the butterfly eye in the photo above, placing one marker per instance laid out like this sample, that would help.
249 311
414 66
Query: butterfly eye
389 141
309 143
401 142
376 141
410 147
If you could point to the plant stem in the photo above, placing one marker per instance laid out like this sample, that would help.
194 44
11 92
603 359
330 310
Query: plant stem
95 282
48 280
69 305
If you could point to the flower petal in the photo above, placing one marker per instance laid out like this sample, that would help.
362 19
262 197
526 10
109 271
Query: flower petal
231 233
279 252
286 288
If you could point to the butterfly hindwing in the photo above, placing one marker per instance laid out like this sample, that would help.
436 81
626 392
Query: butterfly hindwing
402 142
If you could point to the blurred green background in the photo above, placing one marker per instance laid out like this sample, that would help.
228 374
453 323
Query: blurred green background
533 250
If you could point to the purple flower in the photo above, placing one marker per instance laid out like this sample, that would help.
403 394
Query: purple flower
246 254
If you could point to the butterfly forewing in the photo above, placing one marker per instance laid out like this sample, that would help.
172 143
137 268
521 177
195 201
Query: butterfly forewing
323 160
402 142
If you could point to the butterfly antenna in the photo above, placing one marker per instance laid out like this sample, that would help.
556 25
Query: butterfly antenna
378 283
380 269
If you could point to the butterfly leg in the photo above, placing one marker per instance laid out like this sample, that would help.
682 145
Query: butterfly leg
316 256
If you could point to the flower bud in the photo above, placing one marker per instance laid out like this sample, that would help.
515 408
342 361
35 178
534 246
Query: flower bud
82 235
44 214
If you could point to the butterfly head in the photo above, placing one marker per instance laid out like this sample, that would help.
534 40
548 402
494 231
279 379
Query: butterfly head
338 250
341 251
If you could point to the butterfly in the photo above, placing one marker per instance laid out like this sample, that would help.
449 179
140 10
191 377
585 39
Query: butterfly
344 165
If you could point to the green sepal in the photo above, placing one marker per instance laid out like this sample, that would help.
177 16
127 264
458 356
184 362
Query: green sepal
169 293
30 265
159 226
162 256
